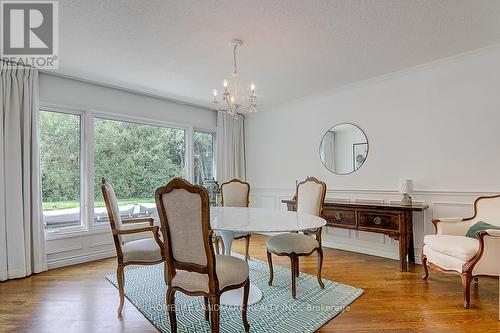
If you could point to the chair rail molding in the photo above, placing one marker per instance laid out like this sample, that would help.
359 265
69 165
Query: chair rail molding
441 204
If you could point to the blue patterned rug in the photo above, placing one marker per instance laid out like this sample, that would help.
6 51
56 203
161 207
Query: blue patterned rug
276 312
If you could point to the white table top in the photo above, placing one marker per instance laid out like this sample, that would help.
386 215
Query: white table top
250 220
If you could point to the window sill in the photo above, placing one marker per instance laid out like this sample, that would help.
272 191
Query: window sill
75 232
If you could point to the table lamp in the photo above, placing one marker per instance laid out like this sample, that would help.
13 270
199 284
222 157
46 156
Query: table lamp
406 189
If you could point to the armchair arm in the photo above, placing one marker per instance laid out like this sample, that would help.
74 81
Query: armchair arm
456 226
485 262
145 219
153 229
492 233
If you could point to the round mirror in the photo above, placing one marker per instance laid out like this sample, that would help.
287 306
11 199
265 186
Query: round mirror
343 149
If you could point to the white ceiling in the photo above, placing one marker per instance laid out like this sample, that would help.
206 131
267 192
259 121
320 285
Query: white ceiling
180 49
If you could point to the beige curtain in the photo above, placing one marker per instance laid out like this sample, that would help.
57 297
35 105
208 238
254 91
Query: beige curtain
230 147
22 243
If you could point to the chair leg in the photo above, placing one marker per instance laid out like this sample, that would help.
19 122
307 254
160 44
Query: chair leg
121 282
424 265
247 247
171 309
205 301
246 292
466 280
214 312
271 273
320 266
294 275
297 267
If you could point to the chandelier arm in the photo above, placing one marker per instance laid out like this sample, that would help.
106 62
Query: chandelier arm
234 59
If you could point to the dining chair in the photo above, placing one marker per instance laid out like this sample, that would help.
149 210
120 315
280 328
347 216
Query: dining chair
236 193
192 266
309 196
145 251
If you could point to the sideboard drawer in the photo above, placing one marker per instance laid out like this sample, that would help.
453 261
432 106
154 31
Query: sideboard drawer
345 217
378 221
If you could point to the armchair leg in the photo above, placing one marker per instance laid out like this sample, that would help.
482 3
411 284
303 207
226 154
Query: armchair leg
424 265
214 312
246 293
205 301
247 247
171 309
121 281
270 262
466 280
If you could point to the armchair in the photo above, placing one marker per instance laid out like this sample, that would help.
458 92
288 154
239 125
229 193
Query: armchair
450 251
145 251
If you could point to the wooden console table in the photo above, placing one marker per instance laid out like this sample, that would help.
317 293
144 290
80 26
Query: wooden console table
393 220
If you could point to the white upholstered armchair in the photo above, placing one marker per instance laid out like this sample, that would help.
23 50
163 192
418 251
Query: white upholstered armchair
451 251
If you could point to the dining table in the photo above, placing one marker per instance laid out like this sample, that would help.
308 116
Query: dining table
229 221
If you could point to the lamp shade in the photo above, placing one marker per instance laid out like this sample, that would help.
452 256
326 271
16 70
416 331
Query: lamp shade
407 186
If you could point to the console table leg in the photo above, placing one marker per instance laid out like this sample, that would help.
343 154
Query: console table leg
411 245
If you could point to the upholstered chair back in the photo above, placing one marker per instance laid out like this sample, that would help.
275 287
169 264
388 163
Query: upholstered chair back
111 204
310 196
235 193
487 209
181 212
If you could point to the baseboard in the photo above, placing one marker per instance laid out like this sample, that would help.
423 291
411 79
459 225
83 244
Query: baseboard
79 259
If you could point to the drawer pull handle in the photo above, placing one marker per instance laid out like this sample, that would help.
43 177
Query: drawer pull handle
338 216
377 220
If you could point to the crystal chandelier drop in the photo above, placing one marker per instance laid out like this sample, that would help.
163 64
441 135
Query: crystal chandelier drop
234 100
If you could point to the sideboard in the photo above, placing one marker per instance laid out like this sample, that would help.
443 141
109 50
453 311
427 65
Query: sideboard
393 220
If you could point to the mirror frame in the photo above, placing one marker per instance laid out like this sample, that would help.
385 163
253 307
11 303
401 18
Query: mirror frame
367 152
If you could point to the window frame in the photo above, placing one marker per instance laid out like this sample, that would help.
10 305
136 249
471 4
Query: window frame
87 142
83 170
214 149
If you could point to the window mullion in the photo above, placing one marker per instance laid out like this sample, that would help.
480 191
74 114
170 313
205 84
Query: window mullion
190 154
88 180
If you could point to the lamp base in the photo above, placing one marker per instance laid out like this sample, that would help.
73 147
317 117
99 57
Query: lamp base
406 200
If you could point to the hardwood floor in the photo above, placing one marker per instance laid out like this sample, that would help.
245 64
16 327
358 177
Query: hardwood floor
79 299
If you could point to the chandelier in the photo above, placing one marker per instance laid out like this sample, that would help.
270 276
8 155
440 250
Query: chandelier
234 100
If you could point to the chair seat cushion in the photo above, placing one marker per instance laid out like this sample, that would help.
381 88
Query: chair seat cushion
230 271
291 243
141 250
460 247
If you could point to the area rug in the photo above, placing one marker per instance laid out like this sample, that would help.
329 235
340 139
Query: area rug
277 311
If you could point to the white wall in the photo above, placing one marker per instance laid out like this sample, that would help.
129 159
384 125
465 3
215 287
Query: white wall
437 124
77 247
78 94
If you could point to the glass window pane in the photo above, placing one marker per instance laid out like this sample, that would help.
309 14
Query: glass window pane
203 157
136 159
60 162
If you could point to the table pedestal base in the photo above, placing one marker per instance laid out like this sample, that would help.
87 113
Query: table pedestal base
235 297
